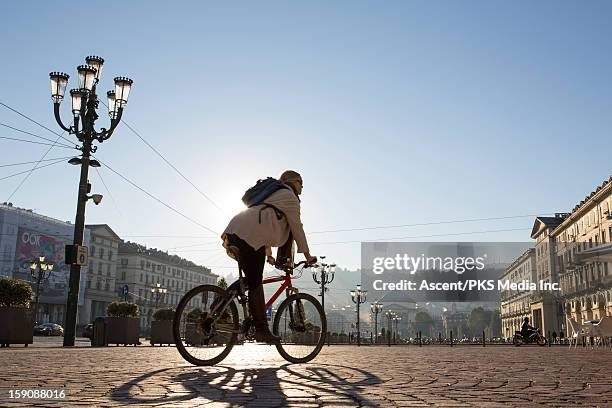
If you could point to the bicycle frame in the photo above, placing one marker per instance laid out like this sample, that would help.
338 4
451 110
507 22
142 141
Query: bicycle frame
286 285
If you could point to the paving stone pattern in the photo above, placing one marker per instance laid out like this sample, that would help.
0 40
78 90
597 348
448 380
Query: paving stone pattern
347 376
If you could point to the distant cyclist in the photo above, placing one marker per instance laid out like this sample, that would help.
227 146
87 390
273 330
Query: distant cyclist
256 230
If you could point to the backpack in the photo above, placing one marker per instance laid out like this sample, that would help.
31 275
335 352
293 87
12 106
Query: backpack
262 190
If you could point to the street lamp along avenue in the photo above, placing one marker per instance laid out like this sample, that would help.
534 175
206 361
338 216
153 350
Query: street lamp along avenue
327 273
158 291
44 270
84 102
358 296
376 308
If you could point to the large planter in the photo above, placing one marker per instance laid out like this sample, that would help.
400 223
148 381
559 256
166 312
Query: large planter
15 326
122 330
161 332
192 337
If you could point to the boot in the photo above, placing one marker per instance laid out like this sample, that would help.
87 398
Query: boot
257 307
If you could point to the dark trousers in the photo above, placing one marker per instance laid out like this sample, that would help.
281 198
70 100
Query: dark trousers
251 261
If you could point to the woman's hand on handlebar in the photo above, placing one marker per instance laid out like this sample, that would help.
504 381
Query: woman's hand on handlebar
310 260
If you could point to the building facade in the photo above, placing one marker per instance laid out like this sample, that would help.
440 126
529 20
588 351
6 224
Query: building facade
143 269
516 304
546 305
101 287
26 235
583 257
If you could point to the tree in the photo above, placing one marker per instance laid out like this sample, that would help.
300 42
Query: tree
423 323
495 323
479 320
222 283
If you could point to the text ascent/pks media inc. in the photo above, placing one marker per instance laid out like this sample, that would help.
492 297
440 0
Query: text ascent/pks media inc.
467 285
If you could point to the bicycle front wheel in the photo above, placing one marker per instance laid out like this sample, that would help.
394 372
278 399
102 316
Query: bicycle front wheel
300 322
206 325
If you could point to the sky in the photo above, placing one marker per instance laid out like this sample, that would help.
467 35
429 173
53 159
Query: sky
394 113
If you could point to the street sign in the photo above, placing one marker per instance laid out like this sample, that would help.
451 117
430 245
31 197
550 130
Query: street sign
76 254
82 255
269 312
125 289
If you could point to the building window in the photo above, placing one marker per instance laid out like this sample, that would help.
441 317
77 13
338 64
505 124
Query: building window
101 253
110 255
141 276
142 265
124 261
93 251
122 275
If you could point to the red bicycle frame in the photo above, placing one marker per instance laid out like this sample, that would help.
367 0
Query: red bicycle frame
285 285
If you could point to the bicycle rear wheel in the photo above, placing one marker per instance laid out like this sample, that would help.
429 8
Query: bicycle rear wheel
206 325
302 326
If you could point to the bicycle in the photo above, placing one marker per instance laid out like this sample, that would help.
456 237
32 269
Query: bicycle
207 323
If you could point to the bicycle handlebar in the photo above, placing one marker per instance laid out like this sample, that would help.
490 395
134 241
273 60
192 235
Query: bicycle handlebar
305 264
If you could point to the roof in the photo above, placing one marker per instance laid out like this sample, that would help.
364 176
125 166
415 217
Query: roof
104 226
542 223
604 188
396 296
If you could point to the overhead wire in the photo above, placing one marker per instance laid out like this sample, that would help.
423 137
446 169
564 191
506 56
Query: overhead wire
422 236
34 161
157 199
210 200
109 192
30 170
33 121
420 224
150 146
33 168
38 143
33 134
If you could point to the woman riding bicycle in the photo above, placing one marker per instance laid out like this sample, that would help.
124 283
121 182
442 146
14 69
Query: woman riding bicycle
255 230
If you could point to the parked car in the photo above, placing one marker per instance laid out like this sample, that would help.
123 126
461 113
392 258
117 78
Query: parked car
88 331
48 329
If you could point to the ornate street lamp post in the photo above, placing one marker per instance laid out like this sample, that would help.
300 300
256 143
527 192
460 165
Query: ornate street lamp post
44 270
396 320
376 309
327 273
389 314
84 102
158 291
358 296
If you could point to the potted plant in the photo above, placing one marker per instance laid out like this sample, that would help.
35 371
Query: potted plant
122 323
161 326
192 336
15 314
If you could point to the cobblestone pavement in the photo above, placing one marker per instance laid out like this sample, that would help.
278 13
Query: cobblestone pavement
255 375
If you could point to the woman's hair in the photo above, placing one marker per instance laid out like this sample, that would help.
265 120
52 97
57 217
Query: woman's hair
290 176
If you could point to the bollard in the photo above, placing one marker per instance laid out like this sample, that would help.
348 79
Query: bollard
549 339
328 339
439 337
98 335
420 342
451 338
483 339
389 338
